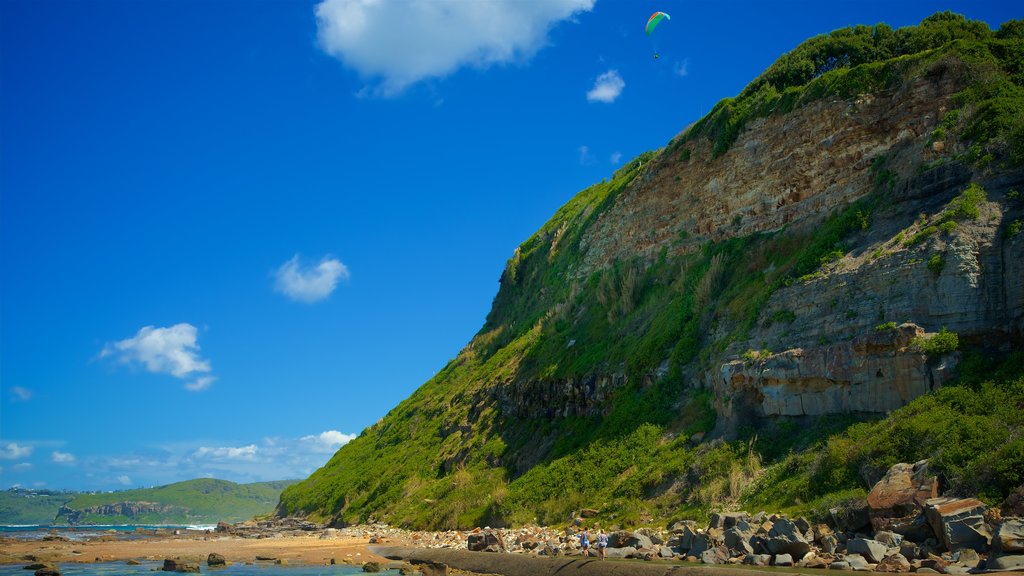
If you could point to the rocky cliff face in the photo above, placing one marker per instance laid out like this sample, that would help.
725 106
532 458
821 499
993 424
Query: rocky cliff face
791 171
785 257
130 510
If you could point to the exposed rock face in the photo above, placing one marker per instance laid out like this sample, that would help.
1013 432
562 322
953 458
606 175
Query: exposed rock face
792 170
127 509
873 373
782 170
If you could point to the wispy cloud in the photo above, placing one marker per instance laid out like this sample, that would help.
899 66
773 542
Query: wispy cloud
228 453
682 68
309 283
586 157
13 451
124 480
19 394
400 43
607 87
62 457
172 350
616 157
329 441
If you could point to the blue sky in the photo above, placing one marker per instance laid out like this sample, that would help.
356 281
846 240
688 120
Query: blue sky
235 233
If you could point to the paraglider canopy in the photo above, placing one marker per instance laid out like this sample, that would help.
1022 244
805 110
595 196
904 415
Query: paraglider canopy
656 18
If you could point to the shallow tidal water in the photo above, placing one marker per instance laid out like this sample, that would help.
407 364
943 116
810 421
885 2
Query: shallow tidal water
117 568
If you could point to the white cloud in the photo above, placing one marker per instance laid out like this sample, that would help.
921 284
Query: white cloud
20 394
22 467
682 68
62 457
616 157
309 284
13 451
170 350
124 480
228 453
329 441
201 383
585 156
401 42
607 87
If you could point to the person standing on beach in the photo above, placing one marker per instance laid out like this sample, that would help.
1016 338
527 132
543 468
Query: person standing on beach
602 543
585 541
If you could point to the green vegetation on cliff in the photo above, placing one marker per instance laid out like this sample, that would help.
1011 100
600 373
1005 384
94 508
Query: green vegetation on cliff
582 388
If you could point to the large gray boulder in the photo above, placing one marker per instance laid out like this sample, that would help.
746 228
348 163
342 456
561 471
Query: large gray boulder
486 541
1008 546
626 538
873 550
959 523
738 540
786 538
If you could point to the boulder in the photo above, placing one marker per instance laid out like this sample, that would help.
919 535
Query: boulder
1009 536
372 567
588 513
890 539
903 490
222 527
48 571
620 552
700 543
1008 546
215 559
626 538
716 555
873 550
959 522
851 517
786 538
757 559
910 550
782 560
432 568
736 539
829 544
968 558
486 541
839 565
179 566
857 562
1014 503
893 563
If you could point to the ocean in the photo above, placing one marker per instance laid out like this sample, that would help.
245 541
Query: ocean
125 531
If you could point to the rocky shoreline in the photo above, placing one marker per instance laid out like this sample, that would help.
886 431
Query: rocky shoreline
903 526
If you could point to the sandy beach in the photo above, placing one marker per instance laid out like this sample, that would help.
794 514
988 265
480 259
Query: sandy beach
191 547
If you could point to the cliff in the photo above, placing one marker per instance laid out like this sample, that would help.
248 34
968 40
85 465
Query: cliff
203 500
822 249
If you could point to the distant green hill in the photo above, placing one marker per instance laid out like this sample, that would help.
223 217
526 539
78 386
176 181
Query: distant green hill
19 506
201 501
194 501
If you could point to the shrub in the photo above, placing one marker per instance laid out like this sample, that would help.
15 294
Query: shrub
966 206
886 326
936 263
1013 228
938 344
921 236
